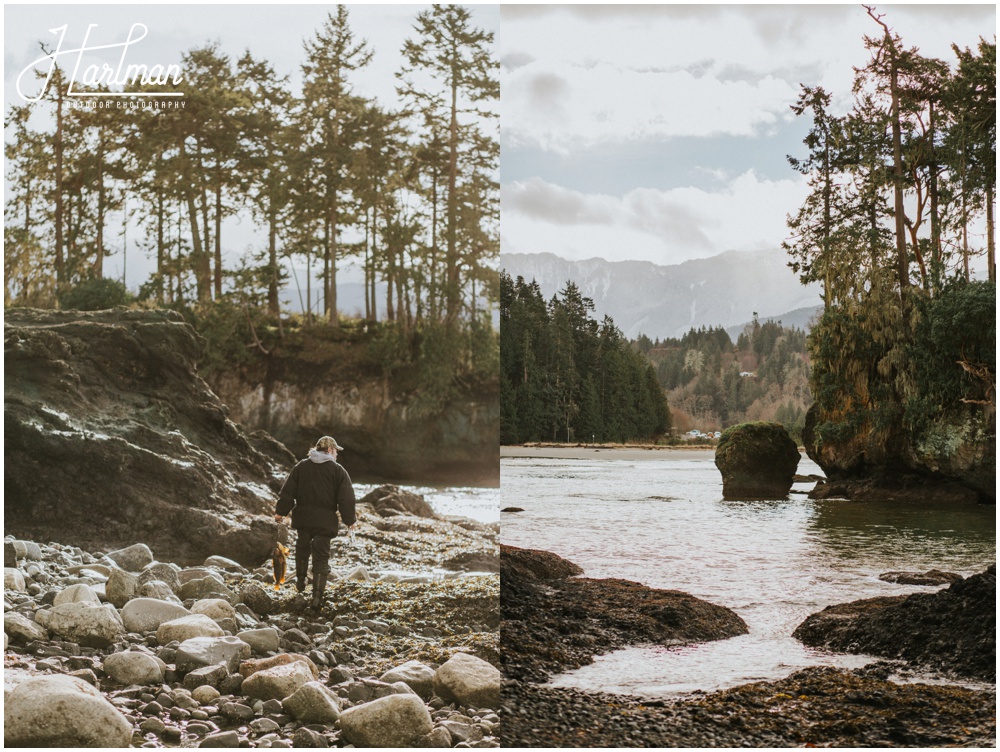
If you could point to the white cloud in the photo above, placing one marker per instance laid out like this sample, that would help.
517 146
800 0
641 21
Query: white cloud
644 72
565 107
746 213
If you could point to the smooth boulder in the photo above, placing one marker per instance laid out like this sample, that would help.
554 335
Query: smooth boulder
416 675
313 702
757 461
198 652
393 721
121 587
13 580
22 629
132 558
147 614
278 682
262 640
62 711
133 667
469 681
76 594
86 624
186 627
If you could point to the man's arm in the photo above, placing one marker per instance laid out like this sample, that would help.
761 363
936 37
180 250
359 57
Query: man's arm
288 494
346 501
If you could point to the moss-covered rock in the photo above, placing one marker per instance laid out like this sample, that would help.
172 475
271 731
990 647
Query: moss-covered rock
757 461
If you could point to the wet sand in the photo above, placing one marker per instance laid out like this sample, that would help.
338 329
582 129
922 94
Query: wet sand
605 452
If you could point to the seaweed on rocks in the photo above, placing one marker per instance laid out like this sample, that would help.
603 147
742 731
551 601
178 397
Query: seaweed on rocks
553 621
813 707
952 631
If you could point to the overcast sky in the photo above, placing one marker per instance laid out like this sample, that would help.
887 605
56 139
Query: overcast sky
660 132
272 32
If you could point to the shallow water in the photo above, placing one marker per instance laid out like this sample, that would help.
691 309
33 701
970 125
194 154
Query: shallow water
663 523
478 503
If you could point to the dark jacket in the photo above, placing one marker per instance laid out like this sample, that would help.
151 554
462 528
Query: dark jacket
314 492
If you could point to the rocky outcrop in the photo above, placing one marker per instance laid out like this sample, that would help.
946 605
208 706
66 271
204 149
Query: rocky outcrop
952 630
552 621
384 435
389 501
111 437
757 461
931 577
952 461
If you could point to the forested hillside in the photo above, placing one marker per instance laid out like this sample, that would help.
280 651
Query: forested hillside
713 383
566 377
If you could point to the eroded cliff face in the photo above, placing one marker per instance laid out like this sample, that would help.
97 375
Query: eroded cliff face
383 436
112 438
953 459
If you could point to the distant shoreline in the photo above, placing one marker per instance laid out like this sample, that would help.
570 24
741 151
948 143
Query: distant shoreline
607 452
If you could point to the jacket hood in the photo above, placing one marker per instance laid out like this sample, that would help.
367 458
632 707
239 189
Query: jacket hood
320 457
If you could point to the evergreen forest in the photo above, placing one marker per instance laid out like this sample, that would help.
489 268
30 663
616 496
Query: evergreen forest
408 192
566 377
712 383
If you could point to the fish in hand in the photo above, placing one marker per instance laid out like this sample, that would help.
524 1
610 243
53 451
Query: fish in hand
279 560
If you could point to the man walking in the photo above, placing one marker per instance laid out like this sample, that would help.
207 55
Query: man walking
316 489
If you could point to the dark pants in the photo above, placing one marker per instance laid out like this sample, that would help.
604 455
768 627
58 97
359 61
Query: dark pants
315 541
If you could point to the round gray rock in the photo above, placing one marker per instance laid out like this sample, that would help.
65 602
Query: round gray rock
215 609
22 629
186 627
134 668
263 640
76 594
198 652
86 624
393 721
62 711
132 558
13 580
278 682
147 614
120 587
468 680
313 702
416 675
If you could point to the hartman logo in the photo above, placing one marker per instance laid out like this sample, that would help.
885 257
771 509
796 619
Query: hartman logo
122 72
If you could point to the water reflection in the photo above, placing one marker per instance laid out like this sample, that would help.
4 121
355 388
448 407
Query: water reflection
773 562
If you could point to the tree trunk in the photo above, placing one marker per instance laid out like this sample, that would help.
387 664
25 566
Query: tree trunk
202 271
374 257
936 261
159 243
332 281
273 306
368 271
60 258
991 248
99 250
903 267
218 232
452 291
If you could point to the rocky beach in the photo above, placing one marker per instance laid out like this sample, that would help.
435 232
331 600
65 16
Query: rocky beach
882 704
139 603
115 648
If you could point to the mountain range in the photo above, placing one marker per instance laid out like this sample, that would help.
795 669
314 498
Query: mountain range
666 301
